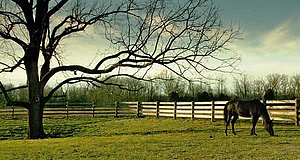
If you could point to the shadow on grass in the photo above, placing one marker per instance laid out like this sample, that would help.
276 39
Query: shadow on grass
62 131
73 130
189 130
16 132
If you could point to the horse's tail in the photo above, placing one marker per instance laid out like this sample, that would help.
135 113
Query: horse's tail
225 113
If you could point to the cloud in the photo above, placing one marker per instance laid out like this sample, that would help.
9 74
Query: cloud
275 50
276 35
282 39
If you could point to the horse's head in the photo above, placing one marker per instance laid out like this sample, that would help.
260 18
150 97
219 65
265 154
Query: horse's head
269 127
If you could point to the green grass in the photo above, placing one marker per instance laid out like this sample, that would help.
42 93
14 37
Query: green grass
146 138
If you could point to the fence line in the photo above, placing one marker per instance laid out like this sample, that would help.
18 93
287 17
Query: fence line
286 111
279 110
71 109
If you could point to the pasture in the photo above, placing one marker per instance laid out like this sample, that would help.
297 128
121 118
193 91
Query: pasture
146 138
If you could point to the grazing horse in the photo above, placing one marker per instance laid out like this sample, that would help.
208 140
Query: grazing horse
253 109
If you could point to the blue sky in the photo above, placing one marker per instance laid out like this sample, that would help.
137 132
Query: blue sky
271 34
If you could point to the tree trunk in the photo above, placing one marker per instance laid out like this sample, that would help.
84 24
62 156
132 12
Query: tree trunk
35 114
36 97
36 107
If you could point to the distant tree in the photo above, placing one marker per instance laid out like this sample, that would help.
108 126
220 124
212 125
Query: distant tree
221 85
204 96
171 83
269 95
295 86
222 97
243 87
284 87
174 96
194 90
273 82
78 94
151 91
258 88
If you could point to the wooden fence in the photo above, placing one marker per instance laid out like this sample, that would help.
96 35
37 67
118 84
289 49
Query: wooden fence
282 111
71 109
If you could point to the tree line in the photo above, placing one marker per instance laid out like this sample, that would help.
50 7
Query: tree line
168 87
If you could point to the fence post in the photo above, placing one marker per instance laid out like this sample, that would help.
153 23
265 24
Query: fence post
117 107
13 112
193 110
67 108
297 112
212 110
175 110
157 109
93 108
138 109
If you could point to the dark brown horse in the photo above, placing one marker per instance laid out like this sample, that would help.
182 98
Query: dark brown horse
253 109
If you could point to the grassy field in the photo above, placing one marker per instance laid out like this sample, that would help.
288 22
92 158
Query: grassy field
146 138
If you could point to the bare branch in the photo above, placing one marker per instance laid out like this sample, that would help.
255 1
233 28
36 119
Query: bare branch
57 7
91 80
27 10
15 39
9 102
8 68
3 90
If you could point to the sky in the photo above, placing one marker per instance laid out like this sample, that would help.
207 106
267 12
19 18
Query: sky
270 39
270 34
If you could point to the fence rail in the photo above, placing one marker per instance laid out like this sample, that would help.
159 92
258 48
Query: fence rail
70 109
285 111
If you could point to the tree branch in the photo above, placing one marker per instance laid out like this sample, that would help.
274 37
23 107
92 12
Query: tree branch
9 102
11 68
14 39
56 8
27 10
90 80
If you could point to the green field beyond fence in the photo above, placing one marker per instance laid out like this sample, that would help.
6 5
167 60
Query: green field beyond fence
282 111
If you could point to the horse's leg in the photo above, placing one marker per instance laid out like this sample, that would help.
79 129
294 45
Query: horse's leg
254 121
235 117
227 123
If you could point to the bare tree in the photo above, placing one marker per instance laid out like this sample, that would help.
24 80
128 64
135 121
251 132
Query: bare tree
295 85
259 88
284 87
275 82
221 86
243 87
186 37
170 83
